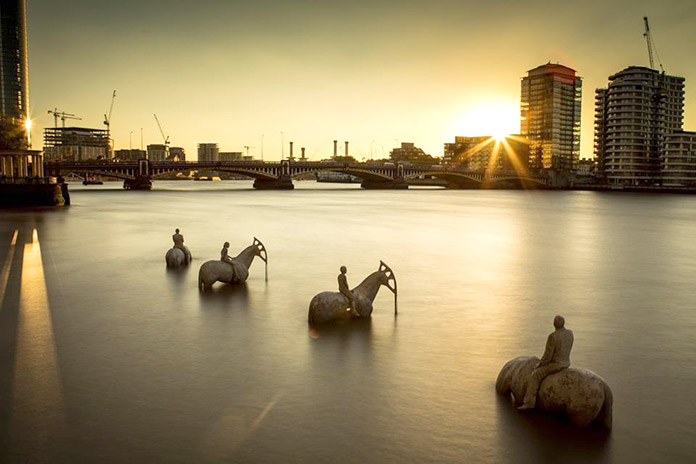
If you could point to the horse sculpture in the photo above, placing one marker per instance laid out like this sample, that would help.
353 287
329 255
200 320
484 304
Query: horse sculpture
176 257
219 271
333 306
580 394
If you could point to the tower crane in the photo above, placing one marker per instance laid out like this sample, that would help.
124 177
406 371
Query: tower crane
164 137
651 45
107 122
247 147
62 115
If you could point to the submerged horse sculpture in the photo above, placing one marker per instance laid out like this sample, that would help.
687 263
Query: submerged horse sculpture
333 306
580 394
219 271
176 257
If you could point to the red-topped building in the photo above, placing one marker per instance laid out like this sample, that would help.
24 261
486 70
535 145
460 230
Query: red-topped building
550 109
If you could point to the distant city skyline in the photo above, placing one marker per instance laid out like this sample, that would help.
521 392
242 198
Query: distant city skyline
375 74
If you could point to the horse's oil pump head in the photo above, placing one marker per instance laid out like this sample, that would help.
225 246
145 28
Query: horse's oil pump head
261 253
390 281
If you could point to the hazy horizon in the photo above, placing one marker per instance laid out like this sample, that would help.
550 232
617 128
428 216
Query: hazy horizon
383 71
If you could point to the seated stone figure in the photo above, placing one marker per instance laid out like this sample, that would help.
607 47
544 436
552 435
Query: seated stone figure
226 258
179 243
556 358
179 254
344 289
550 385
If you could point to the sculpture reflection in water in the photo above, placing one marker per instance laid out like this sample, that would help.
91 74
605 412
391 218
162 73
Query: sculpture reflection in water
231 270
335 306
551 385
179 254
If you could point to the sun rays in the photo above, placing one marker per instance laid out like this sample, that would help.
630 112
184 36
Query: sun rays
496 154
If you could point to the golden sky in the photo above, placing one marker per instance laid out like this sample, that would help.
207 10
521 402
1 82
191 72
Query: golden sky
375 73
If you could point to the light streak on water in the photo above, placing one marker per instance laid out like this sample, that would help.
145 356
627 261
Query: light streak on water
37 398
5 275
265 411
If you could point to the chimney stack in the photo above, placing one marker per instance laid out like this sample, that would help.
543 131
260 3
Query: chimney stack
346 148
303 156
291 150
335 148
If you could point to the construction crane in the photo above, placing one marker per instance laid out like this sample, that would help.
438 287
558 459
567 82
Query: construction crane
107 121
247 147
164 136
62 115
107 118
651 45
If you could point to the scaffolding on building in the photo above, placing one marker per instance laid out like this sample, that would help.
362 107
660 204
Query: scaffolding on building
76 143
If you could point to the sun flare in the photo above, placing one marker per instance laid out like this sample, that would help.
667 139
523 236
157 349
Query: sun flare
497 119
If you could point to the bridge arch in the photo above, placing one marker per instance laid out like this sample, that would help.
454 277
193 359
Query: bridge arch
369 174
447 175
260 173
97 172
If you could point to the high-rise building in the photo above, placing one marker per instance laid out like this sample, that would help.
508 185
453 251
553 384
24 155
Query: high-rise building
600 132
678 159
75 144
14 93
208 152
550 116
485 153
633 116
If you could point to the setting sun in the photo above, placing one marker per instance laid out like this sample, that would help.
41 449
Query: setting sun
497 119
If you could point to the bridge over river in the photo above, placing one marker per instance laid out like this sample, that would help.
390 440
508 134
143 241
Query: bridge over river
279 174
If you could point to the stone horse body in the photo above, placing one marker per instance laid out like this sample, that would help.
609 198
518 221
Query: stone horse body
333 306
176 257
219 271
580 394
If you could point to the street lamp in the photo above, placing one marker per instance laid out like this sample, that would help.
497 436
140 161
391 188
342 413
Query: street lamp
282 145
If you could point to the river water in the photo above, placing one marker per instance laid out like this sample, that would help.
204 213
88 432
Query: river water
108 357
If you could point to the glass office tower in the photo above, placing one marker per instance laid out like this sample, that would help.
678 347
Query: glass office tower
14 87
550 116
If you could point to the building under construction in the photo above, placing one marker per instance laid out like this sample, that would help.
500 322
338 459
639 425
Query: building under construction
75 144
635 116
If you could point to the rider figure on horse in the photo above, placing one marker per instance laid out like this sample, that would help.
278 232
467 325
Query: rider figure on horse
225 258
345 290
179 243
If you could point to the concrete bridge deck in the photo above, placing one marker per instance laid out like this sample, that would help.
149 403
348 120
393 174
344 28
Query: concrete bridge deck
279 174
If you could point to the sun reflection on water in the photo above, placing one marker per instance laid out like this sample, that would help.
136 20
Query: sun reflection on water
37 387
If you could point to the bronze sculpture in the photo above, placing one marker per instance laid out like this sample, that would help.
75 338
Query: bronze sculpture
179 254
556 358
551 385
344 289
231 270
335 306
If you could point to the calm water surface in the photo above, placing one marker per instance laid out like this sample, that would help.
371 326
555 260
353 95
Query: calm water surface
106 356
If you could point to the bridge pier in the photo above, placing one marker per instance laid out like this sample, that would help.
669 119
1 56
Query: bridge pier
143 177
284 183
396 184
139 183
